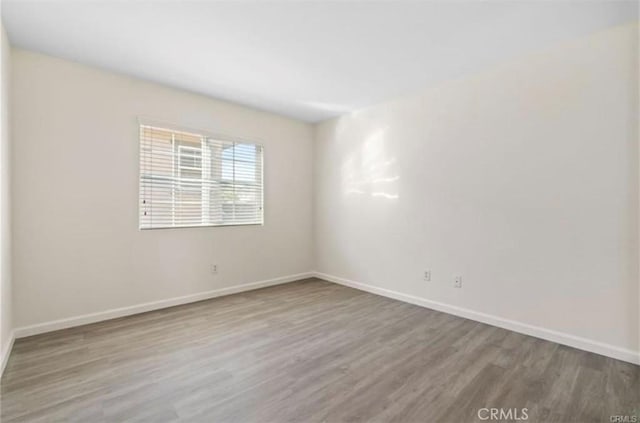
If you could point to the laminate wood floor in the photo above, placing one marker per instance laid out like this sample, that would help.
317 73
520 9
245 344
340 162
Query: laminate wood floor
309 351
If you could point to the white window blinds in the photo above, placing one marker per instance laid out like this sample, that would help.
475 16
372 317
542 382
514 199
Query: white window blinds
189 179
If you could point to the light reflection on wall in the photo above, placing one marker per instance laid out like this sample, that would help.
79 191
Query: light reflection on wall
370 171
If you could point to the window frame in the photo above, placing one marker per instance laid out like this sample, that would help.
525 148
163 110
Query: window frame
208 134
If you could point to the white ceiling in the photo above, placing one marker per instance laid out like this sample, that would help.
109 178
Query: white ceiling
307 60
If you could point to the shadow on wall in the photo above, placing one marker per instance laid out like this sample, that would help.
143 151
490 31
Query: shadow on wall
370 171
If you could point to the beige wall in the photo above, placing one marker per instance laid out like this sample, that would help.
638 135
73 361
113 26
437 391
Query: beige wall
523 179
77 246
6 321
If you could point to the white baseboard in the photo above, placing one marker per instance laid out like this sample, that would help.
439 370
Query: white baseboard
536 331
155 305
6 352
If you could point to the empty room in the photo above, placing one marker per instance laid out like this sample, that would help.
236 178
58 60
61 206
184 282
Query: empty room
320 211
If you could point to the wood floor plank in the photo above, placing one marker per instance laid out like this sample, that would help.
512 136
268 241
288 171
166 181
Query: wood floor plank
308 351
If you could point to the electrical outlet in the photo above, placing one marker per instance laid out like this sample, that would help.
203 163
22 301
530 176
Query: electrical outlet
427 275
457 282
214 269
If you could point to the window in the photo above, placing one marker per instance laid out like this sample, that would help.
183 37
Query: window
189 179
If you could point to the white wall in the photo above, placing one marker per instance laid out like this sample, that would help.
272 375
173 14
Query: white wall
522 179
6 321
77 246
